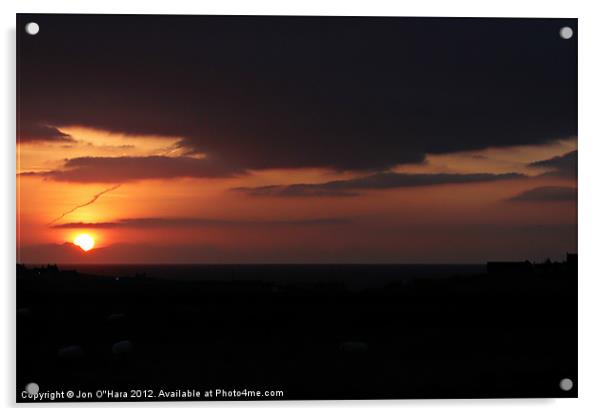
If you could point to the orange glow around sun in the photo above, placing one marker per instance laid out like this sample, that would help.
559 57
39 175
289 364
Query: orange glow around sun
85 241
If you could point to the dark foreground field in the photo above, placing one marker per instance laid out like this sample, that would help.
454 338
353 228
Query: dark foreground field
511 333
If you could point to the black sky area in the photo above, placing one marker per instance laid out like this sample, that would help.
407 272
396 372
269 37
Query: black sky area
285 92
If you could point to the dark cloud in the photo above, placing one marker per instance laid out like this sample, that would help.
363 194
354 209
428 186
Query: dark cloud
547 194
269 92
387 180
198 222
128 169
37 132
560 166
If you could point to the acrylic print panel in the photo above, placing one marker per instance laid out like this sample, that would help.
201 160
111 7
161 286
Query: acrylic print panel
279 208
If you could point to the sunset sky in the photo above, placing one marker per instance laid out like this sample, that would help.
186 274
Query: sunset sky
183 139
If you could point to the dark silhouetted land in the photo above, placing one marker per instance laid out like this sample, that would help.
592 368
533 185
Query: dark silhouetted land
510 331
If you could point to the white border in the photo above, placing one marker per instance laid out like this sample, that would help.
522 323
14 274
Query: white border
590 206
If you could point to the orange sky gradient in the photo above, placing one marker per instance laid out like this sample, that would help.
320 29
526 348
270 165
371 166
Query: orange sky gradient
451 223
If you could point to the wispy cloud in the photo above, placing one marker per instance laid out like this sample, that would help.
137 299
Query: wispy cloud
561 166
386 180
547 194
198 222
39 132
134 168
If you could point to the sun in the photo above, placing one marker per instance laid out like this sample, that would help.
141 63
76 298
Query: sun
85 241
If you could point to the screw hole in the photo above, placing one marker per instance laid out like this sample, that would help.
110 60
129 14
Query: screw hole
566 32
32 388
566 384
32 28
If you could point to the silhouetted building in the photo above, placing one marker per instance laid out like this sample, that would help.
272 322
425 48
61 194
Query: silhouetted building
571 260
509 267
